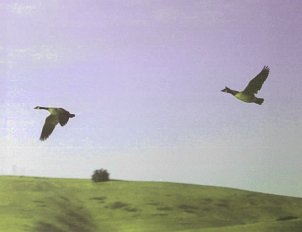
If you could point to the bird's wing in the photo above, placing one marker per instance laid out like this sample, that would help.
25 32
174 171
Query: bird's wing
49 125
63 117
256 83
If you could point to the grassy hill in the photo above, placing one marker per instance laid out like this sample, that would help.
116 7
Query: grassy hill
29 204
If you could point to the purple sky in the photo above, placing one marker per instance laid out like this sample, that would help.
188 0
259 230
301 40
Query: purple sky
144 80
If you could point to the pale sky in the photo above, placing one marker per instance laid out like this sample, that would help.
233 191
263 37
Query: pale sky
143 78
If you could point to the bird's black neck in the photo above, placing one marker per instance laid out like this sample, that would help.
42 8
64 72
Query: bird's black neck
43 108
233 92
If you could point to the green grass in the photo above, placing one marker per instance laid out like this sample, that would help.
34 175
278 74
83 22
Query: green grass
29 204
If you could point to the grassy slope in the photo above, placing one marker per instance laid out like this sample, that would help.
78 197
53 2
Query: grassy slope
65 205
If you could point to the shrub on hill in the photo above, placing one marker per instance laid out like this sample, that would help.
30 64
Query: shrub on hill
100 175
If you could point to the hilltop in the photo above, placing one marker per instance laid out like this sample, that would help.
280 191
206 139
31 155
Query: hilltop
31 204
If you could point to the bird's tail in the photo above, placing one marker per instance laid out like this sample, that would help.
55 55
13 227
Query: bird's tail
259 101
71 115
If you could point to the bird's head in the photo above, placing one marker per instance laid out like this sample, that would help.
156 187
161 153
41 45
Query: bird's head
226 90
37 107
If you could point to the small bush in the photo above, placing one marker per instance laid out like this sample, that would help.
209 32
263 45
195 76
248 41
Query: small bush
100 175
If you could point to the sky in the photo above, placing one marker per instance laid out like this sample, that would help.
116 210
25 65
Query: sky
143 78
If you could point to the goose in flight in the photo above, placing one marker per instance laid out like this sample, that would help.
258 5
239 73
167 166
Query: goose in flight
248 94
57 115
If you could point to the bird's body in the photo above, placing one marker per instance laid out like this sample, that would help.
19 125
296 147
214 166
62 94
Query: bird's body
248 94
57 115
245 97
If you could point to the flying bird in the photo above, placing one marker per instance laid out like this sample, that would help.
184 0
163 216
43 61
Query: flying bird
57 115
248 94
